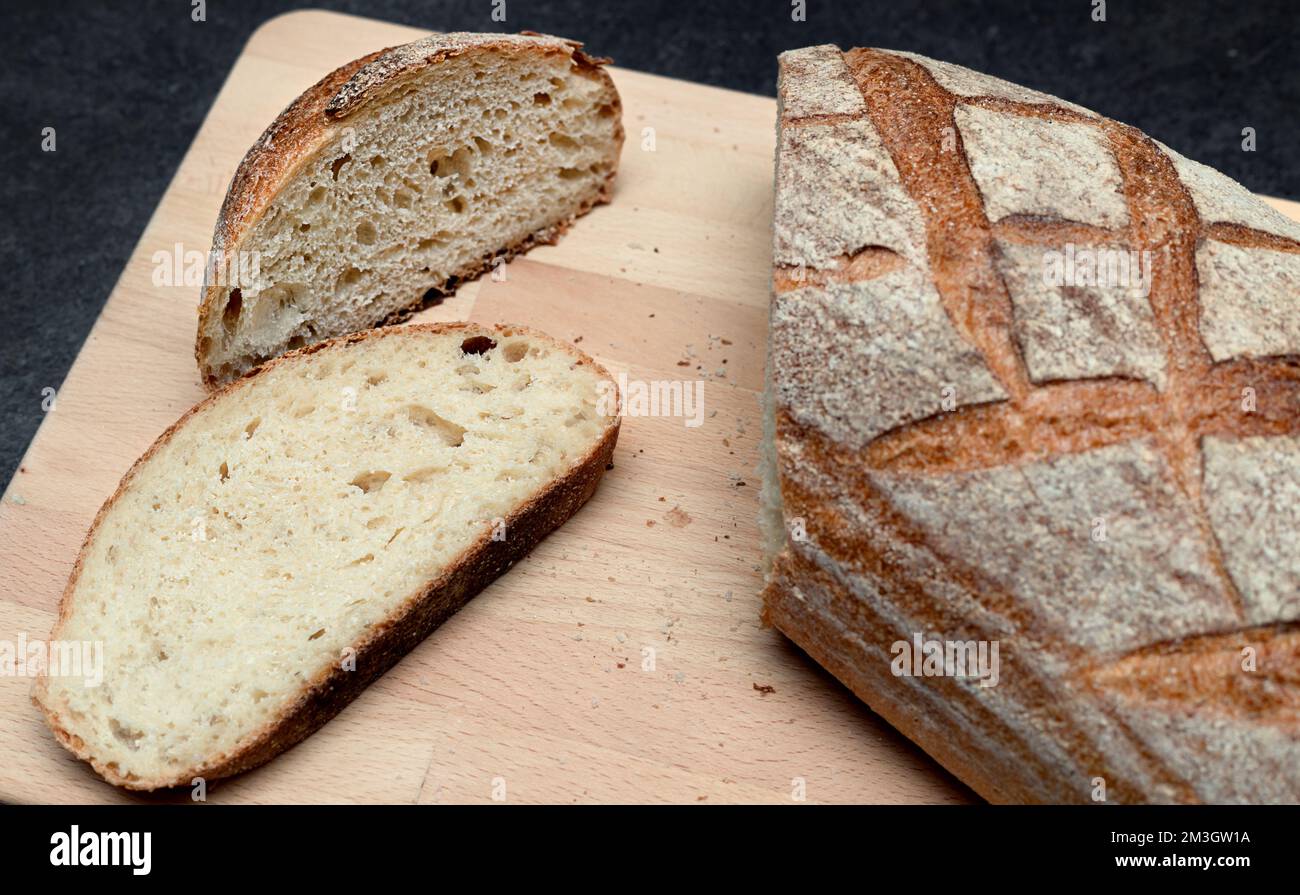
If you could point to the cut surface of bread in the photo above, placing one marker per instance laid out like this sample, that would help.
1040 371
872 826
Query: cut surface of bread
290 538
970 442
396 177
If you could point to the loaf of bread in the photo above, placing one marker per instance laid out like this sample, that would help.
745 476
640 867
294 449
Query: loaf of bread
1034 396
293 536
396 177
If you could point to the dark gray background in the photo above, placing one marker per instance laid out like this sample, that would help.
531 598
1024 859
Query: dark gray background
126 85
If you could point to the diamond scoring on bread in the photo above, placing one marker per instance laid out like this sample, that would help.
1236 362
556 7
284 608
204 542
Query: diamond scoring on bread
398 176
980 521
346 497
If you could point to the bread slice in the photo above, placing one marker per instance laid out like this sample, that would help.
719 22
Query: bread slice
396 177
1097 472
291 537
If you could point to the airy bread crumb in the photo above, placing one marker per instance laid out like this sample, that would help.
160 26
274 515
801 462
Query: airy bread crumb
397 177
346 494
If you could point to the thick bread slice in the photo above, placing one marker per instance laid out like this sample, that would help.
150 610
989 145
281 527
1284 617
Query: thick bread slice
396 177
291 537
981 430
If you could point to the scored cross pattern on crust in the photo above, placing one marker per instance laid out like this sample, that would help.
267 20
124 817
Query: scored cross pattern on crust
1035 420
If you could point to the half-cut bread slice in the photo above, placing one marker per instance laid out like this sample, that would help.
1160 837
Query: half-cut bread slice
291 537
396 177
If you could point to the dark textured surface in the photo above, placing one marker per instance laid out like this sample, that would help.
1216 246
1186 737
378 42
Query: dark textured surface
126 85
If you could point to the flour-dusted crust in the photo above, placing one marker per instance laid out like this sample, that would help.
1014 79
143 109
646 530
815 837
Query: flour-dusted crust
1108 488
1250 301
314 120
422 612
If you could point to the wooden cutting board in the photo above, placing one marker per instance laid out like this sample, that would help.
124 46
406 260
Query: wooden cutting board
538 689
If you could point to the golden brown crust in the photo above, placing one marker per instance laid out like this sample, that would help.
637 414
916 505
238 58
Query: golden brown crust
890 549
311 119
424 611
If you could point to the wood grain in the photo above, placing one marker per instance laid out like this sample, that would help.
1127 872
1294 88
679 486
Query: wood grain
539 682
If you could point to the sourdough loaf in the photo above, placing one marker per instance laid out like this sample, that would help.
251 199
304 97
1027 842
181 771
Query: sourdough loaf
972 440
294 535
396 177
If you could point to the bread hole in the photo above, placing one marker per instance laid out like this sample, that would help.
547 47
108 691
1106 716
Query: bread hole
370 482
455 206
423 474
378 161
294 344
339 163
466 370
127 735
316 195
376 522
302 410
605 110
570 173
378 378
366 233
304 227
557 83
362 560
321 632
451 434
230 314
562 141
455 165
477 345
541 99
484 147
224 471
478 387
349 277
402 199
523 382
515 352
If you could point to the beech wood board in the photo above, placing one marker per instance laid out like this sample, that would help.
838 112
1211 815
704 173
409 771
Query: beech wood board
538 683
